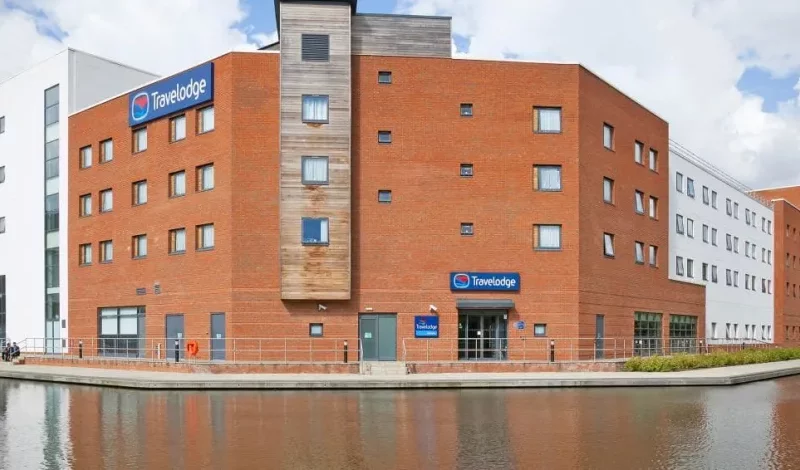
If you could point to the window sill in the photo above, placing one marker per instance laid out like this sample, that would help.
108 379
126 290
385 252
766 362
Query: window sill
210 248
315 183
610 149
608 203
640 263
639 213
177 196
467 234
176 253
139 257
539 336
175 141
608 256
308 121
199 132
638 163
84 167
84 216
205 190
104 162
655 266
547 132
107 212
384 143
547 249
106 262
139 204
83 265
315 244
137 152
549 190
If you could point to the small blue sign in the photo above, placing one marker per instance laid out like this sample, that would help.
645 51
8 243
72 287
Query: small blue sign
170 95
426 327
466 281
520 325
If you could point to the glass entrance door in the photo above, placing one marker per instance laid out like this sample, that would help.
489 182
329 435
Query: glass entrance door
482 335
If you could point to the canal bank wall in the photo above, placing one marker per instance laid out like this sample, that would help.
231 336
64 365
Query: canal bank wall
144 380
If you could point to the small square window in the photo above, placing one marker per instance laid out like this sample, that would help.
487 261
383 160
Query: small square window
385 196
177 241
106 200
205 177
466 109
653 160
177 128
315 330
205 236
639 251
140 192
608 136
384 137
106 151
547 237
140 140
315 231
608 244
638 152
547 120
466 170
467 229
315 170
85 205
139 246
177 184
547 177
86 157
315 109
315 47
106 251
385 78
539 330
608 190
205 120
85 254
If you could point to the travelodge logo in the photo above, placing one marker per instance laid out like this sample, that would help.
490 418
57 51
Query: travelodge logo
171 95
460 281
140 106
469 281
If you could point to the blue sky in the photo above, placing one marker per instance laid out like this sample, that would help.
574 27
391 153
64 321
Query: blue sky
262 12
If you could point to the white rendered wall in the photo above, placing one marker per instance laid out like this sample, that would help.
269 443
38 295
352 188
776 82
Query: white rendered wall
724 304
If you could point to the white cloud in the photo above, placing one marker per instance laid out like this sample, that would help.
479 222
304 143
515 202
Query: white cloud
161 36
680 58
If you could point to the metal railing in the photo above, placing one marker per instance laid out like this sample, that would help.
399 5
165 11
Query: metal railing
561 349
239 350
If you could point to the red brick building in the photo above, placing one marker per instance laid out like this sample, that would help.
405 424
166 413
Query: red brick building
354 177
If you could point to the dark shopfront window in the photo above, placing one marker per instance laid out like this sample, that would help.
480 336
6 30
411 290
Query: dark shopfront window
121 331
647 334
682 334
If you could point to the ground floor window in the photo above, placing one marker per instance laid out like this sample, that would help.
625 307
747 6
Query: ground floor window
482 335
647 333
121 331
682 334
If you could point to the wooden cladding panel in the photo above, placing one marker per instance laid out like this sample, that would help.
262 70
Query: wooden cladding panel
315 272
404 36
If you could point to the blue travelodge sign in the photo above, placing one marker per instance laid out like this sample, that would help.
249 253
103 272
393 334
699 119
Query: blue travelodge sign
466 281
426 327
187 89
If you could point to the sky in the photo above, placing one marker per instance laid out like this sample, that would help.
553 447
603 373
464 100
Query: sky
724 73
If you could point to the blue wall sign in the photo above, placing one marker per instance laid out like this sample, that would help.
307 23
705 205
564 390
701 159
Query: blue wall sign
465 281
172 94
520 325
426 327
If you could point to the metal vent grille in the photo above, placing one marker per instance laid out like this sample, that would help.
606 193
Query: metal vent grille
316 48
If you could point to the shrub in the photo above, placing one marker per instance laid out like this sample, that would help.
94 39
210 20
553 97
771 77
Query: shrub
705 361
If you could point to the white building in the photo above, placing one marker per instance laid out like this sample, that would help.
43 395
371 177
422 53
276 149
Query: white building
34 106
721 237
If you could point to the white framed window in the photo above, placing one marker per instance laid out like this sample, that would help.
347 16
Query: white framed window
539 330
85 205
747 216
314 231
736 210
608 190
608 136
106 151
315 330
140 140
608 244
2 174
315 108
679 266
704 272
746 249
679 182
205 120
2 124
139 246
679 224
769 227
140 192
315 170
2 225
735 244
547 237
205 177
85 254
106 200
729 241
177 184
639 251
736 279
177 240
638 152
548 177
728 277
547 120
177 127
205 236
653 208
746 281
639 198
86 156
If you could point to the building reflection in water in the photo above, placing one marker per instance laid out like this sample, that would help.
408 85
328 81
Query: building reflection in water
752 426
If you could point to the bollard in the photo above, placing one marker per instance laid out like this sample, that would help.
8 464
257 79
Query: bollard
345 352
701 347
80 349
552 351
177 351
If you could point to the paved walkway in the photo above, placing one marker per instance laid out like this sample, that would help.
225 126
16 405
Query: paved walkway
198 381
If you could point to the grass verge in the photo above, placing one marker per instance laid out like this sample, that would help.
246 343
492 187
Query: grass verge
706 361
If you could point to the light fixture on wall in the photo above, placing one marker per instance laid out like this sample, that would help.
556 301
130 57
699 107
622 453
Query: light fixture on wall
433 308
368 309
321 307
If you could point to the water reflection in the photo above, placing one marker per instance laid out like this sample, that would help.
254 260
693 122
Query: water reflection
747 427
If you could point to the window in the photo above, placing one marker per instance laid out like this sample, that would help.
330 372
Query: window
315 47
106 251
728 207
106 200
205 120
714 199
205 177
315 231
315 170
467 229
690 228
647 333
86 157
653 160
769 287
690 268
177 240
608 136
140 140
547 237
177 128
177 184
682 334
754 219
714 236
315 108
653 256
735 244
763 255
2 124
769 256
747 281
608 244
728 277
384 137
638 152
704 271
2 174
736 279
548 178
315 330
106 151
679 182
753 250
85 254
736 210
539 330
653 208
51 220
608 190
679 224
85 205
2 225
639 250
769 227
705 233
747 216
690 187
140 192
205 236
466 170
763 286
752 283
729 241
385 78
639 198
121 331
746 249
385 196
679 265
713 330
139 246
466 109
714 274
728 331
705 195
548 120
764 225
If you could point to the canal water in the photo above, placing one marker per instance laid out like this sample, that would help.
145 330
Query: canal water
746 427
